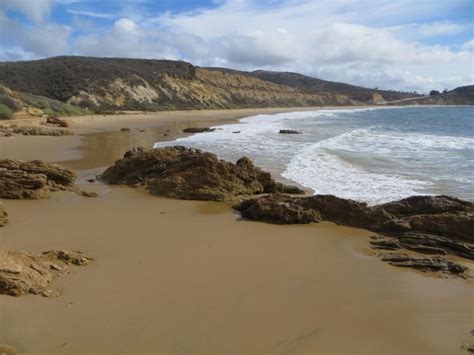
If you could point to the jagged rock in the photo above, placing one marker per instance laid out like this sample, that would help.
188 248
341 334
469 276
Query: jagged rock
22 273
437 215
57 121
41 131
288 131
276 209
35 179
3 215
435 263
186 173
198 129
424 243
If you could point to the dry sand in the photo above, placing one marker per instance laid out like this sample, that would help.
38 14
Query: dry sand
181 277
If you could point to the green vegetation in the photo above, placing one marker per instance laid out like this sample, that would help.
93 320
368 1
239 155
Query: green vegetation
10 102
51 107
5 112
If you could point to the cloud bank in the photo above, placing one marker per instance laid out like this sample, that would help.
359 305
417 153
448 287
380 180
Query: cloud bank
386 44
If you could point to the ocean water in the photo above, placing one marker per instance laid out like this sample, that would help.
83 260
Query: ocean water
373 155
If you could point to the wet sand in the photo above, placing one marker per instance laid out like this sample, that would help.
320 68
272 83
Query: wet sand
181 277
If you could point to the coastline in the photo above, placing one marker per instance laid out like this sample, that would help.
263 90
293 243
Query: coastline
181 276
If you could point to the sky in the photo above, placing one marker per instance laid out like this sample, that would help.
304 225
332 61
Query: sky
410 45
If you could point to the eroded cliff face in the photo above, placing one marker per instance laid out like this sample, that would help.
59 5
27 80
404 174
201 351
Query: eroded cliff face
206 89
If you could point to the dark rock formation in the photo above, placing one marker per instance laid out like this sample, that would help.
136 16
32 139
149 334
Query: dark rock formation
22 273
276 209
3 215
198 129
439 225
425 244
36 131
185 173
435 263
125 129
438 215
288 131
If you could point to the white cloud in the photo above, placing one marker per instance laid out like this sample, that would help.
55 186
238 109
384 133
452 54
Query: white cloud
338 40
36 10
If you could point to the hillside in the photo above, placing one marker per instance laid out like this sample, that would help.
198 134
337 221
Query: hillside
314 85
103 84
463 95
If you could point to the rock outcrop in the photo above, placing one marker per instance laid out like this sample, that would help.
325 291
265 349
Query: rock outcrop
23 273
34 179
185 173
437 225
434 263
438 215
288 131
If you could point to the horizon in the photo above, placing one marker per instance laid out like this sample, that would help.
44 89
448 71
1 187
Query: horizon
403 46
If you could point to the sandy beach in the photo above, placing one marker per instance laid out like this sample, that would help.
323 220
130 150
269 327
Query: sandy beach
183 277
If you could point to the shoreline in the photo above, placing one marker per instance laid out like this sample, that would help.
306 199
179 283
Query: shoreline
174 276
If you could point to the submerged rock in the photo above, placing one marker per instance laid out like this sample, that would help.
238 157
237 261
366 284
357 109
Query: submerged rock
22 273
186 173
198 129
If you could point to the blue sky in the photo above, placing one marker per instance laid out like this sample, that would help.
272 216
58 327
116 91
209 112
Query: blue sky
404 44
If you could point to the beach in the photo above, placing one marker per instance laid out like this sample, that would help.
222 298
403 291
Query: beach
185 277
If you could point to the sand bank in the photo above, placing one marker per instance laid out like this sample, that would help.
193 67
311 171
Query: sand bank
181 277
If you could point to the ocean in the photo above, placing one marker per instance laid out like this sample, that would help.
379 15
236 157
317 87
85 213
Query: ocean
373 155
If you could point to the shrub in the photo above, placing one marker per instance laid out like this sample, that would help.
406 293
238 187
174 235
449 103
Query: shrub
49 112
10 102
5 112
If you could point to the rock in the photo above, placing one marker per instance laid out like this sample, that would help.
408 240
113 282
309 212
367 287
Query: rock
68 257
125 129
424 243
236 132
3 215
198 129
7 350
40 131
22 273
276 209
435 263
435 215
186 173
288 131
33 179
57 121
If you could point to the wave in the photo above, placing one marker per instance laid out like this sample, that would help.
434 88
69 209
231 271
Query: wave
346 165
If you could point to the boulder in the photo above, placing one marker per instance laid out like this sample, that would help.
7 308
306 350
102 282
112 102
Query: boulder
23 273
57 121
186 173
198 129
288 131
